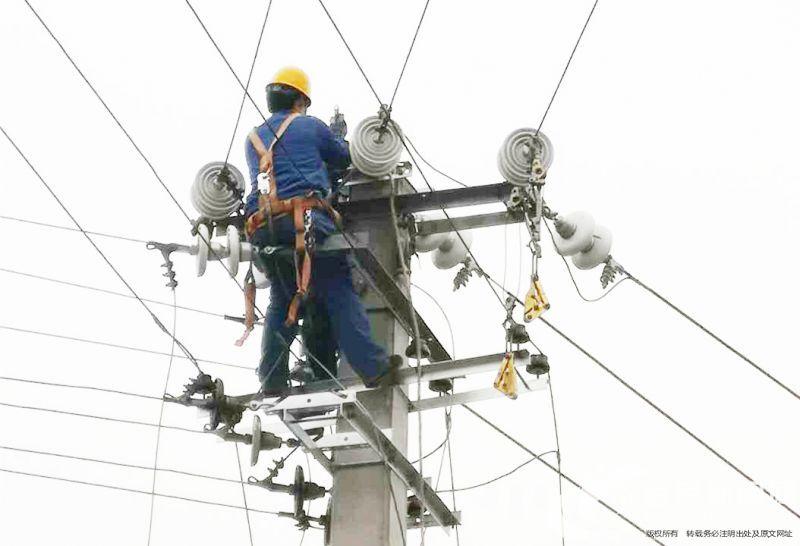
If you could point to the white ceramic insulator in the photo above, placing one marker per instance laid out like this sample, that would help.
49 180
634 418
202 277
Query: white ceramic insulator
581 238
234 250
452 252
255 445
203 242
599 251
212 198
514 158
376 152
429 243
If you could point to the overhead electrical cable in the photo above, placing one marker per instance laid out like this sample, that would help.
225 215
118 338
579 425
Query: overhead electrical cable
82 387
161 416
558 453
244 493
247 86
99 417
566 67
714 336
129 490
104 291
668 417
554 469
496 478
101 253
344 41
119 464
67 228
408 55
434 169
117 346
135 146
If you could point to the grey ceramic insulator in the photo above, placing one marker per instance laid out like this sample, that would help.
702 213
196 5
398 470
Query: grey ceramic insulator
211 197
375 152
515 159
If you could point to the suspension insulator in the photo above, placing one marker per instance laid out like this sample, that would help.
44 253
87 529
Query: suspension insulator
597 252
216 194
515 156
453 251
376 151
573 232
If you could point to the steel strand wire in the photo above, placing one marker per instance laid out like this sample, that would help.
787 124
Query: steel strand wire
667 416
554 469
247 85
118 346
139 491
134 144
161 417
100 252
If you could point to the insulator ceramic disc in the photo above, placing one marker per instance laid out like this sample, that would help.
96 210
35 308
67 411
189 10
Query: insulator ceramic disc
234 250
211 197
514 158
203 242
255 446
376 151
428 243
599 251
455 254
582 237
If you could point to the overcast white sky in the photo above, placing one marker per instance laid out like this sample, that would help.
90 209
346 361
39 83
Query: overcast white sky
676 127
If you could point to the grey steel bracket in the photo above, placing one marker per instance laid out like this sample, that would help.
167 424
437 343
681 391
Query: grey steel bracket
363 424
428 227
423 201
398 302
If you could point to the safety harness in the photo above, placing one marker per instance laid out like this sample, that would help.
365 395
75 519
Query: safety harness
270 208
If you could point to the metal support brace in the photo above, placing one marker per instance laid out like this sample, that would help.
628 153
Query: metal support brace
362 424
307 441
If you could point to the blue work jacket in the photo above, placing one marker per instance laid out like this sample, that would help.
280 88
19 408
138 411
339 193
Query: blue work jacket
301 159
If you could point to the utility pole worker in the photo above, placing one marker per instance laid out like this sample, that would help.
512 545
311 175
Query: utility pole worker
295 152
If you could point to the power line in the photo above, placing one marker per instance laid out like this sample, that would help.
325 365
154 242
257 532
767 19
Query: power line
67 228
161 416
434 169
139 491
105 291
246 87
353 55
97 248
668 416
99 417
118 464
714 336
558 453
117 346
137 148
496 478
554 469
564 73
408 55
108 109
82 387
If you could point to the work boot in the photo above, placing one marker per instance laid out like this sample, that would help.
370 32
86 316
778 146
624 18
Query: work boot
389 377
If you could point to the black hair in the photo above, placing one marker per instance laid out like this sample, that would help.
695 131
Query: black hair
281 97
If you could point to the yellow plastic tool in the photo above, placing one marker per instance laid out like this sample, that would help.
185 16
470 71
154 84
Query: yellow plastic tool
536 302
506 381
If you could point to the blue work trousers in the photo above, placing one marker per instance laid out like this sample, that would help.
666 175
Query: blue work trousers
331 297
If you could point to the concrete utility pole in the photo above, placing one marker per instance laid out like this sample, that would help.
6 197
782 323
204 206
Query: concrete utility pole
369 501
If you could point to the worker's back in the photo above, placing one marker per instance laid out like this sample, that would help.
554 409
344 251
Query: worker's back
301 157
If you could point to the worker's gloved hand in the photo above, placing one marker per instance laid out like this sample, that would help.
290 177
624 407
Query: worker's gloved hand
338 124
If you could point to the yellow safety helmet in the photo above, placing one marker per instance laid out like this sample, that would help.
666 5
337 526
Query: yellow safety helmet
294 78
